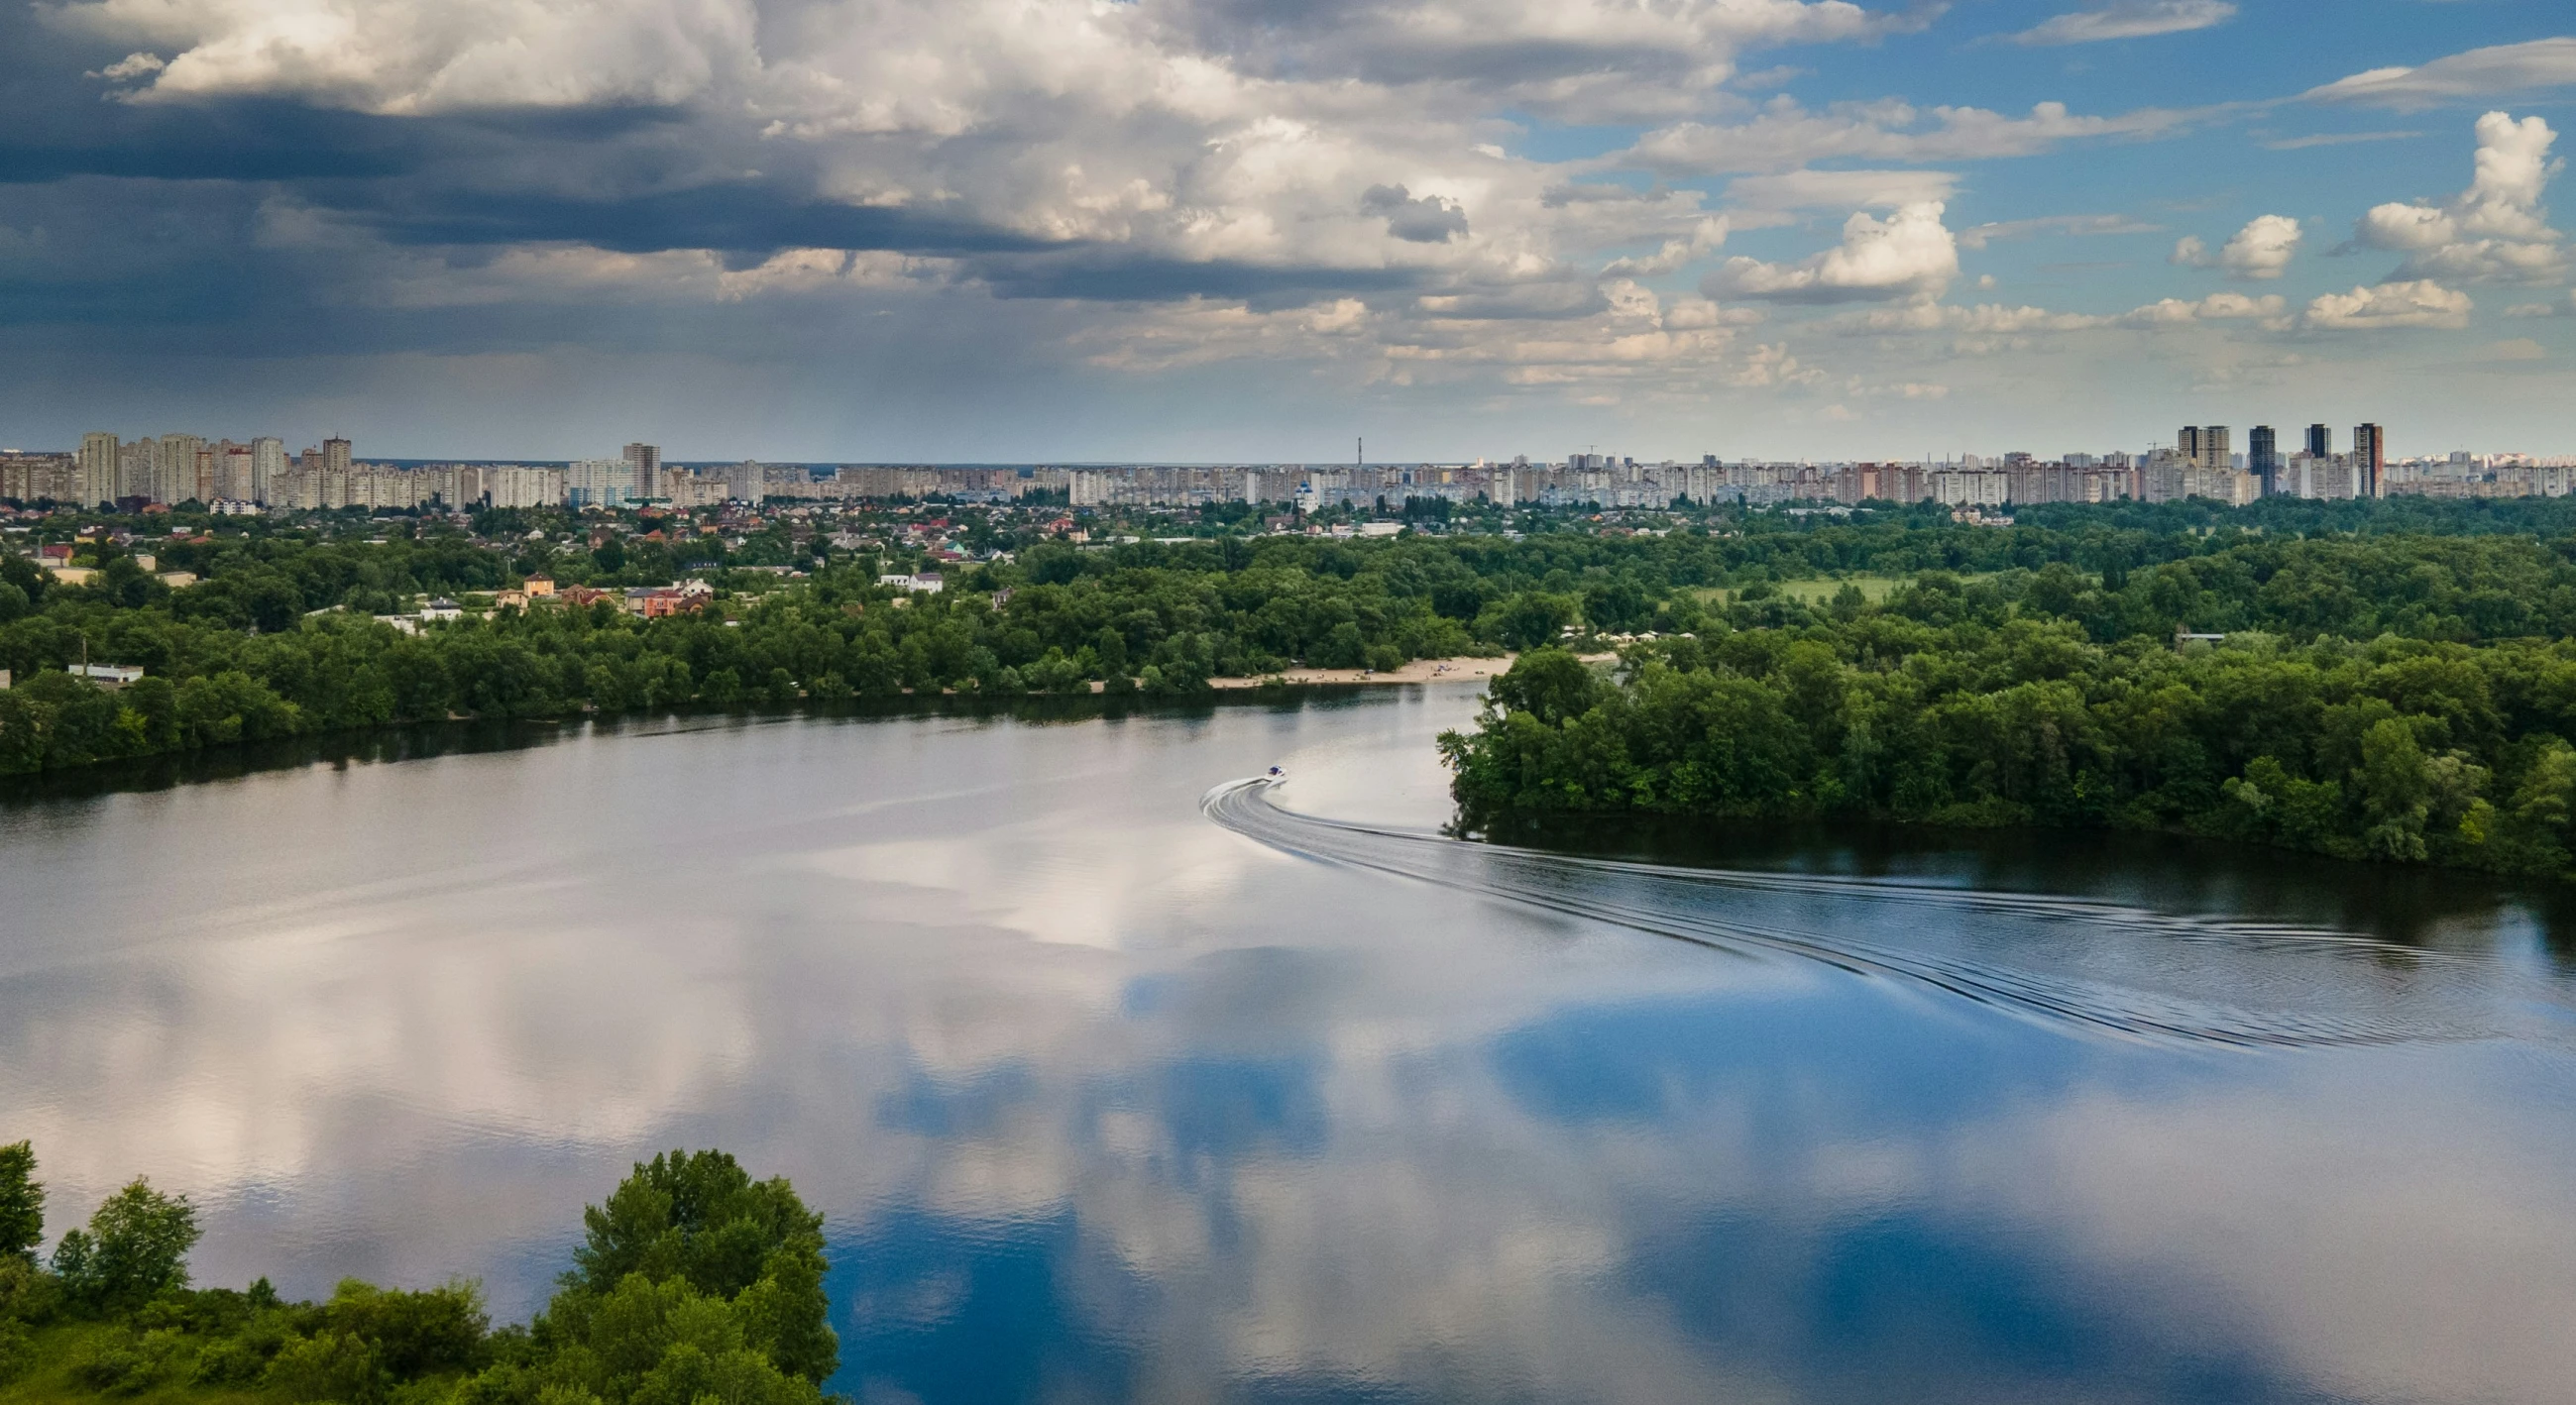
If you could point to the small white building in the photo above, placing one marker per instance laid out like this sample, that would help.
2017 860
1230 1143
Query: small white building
110 676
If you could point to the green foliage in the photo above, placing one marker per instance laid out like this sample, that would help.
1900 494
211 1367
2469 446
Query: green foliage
698 1219
22 1203
136 1247
1550 685
242 656
693 1281
1944 708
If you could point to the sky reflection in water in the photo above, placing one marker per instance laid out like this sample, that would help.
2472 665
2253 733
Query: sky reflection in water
1106 1101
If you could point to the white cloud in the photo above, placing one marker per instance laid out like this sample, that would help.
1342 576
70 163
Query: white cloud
1992 319
2479 73
1985 319
1317 156
2262 249
915 59
2562 307
2496 231
1841 190
1979 236
395 57
131 66
2418 304
2131 19
1910 254
1341 161
2217 307
1703 238
1783 135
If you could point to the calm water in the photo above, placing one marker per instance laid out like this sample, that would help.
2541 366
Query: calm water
1116 1083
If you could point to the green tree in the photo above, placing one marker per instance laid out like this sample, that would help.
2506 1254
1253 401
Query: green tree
22 1203
699 1218
135 1248
1526 620
1551 685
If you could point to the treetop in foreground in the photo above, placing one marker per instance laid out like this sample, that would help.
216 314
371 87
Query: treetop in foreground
694 1284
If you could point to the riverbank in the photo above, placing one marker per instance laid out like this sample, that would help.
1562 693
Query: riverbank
1452 670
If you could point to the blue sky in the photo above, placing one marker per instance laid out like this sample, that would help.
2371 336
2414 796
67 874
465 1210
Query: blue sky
1010 230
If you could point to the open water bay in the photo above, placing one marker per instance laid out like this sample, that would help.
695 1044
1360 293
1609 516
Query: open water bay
1117 1080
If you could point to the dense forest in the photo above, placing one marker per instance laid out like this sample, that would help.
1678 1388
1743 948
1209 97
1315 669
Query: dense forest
694 1283
1977 705
279 635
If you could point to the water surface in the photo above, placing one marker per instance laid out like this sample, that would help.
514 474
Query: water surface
1115 1082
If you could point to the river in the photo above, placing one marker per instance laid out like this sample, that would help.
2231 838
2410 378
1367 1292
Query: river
1119 1079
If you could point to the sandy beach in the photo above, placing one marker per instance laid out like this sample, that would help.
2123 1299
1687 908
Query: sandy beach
1416 671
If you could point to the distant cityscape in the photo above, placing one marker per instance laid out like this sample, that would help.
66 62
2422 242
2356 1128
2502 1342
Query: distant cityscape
260 476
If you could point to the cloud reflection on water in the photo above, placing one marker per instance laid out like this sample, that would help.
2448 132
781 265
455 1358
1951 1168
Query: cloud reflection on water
1104 1100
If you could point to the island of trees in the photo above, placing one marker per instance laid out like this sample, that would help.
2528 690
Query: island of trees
2305 719
694 1284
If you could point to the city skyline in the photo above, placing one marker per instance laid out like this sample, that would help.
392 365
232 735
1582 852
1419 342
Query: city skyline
228 477
1201 231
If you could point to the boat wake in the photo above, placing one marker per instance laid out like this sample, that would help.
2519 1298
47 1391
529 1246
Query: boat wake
2112 968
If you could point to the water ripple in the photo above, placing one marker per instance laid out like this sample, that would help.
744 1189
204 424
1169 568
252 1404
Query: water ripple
2106 967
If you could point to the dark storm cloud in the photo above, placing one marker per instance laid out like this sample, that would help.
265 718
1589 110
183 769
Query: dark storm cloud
1428 220
753 218
152 213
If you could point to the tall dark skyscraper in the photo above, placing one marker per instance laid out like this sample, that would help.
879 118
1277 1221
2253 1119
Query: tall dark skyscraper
2263 457
2370 450
645 461
2320 441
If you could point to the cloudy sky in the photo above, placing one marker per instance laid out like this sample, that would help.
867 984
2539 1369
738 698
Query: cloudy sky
1009 230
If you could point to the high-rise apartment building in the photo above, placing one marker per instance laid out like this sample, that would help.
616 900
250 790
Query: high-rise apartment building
134 460
646 462
2205 445
2263 457
599 483
2370 455
267 470
98 469
174 468
2320 442
234 470
335 455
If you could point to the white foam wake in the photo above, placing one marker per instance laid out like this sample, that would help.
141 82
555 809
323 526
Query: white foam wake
2111 968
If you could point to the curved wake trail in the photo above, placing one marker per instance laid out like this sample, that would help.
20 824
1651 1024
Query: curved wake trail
2108 967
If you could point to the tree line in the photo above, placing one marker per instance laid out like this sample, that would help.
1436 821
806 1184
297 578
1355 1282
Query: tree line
2039 701
693 1282
279 638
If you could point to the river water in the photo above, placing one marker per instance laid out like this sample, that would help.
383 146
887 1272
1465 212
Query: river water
1118 1080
